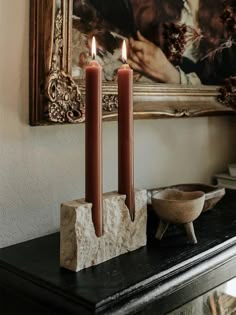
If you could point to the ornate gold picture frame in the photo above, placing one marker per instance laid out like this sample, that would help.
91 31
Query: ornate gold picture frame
56 97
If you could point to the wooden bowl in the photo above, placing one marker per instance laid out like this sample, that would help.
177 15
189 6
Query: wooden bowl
213 194
178 207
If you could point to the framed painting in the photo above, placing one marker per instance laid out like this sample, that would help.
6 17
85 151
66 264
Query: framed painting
183 53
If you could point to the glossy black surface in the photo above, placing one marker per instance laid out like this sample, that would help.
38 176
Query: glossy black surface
161 276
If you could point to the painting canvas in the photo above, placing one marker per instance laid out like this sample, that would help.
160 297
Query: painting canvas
183 53
189 42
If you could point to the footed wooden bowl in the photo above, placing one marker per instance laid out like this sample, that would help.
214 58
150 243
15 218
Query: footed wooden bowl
212 193
178 207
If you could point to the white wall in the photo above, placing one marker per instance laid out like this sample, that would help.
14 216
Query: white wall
42 166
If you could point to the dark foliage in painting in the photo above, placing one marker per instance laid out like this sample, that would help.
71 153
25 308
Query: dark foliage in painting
200 41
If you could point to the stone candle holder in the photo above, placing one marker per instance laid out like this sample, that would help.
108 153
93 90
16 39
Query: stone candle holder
79 246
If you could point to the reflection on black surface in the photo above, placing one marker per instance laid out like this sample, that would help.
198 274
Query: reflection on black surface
220 301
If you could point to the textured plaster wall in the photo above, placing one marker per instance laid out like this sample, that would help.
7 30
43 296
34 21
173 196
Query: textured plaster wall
42 166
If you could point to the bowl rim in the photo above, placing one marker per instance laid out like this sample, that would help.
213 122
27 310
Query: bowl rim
215 191
201 194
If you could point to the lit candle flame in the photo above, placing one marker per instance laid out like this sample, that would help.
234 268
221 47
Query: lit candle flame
124 52
93 47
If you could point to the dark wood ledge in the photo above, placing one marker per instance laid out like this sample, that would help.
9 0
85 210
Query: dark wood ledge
153 280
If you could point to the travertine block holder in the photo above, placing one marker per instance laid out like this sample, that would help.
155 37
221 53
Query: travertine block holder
79 246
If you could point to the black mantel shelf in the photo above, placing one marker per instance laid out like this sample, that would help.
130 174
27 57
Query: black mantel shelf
153 280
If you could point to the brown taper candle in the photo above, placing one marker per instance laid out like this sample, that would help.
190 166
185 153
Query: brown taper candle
93 141
125 133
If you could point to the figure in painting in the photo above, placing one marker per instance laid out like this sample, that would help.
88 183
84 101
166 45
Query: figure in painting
171 41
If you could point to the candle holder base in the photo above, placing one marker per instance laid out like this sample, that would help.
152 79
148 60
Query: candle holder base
79 246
